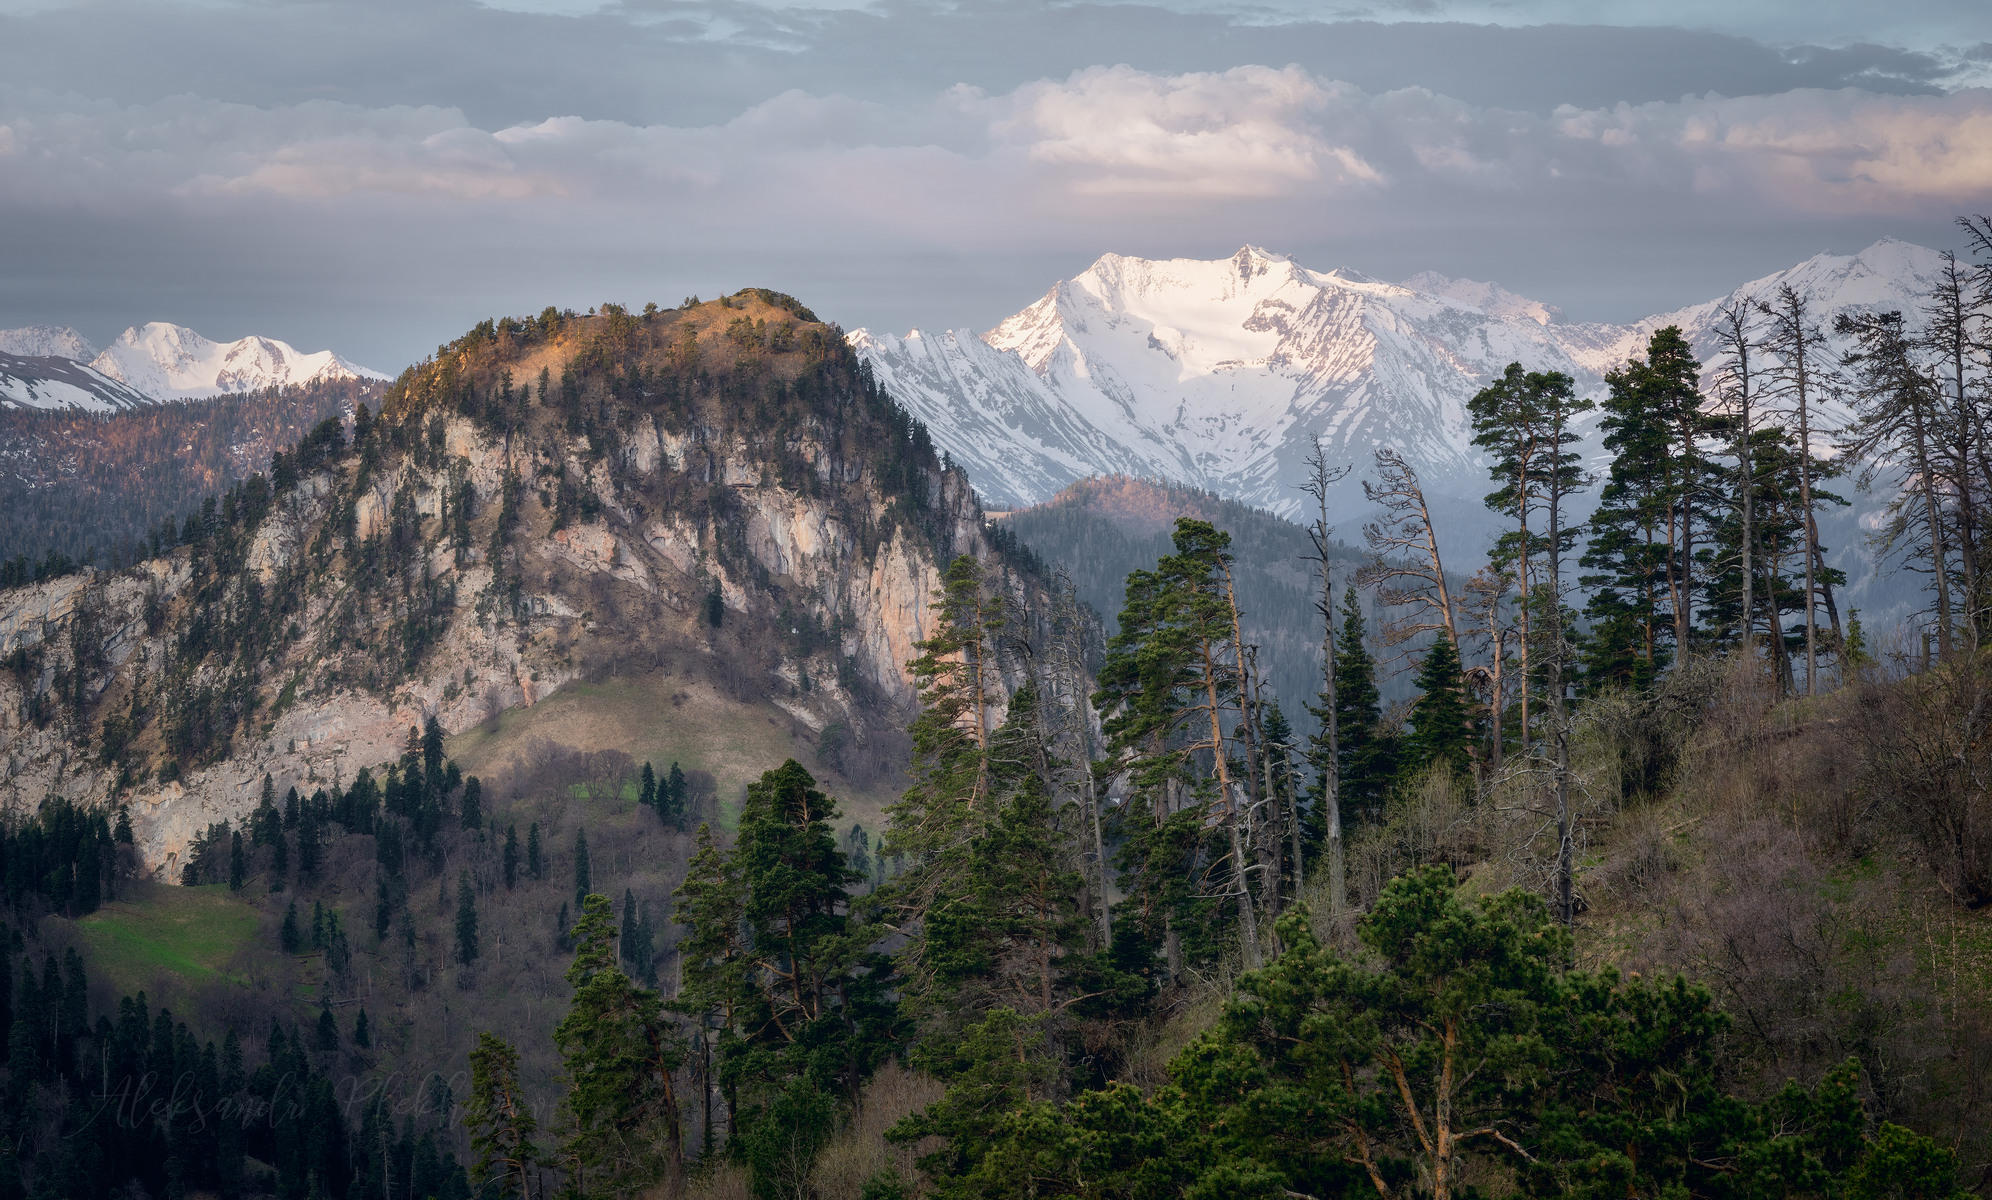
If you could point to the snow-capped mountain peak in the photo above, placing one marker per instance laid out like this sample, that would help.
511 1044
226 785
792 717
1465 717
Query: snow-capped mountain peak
172 362
47 341
1224 373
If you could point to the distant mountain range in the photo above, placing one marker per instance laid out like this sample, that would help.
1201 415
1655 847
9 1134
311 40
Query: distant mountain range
1221 373
54 367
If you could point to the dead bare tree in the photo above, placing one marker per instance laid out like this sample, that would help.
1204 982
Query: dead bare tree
1735 388
1795 341
1404 566
1321 477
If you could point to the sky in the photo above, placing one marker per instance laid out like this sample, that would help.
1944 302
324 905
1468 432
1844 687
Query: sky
375 176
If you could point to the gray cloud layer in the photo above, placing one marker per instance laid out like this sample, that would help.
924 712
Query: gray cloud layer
375 177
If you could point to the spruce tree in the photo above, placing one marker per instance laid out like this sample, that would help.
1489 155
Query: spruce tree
466 920
511 856
289 937
1367 753
619 1053
535 864
800 1002
626 945
473 804
328 1030
238 869
671 799
646 791
362 1035
1441 731
956 677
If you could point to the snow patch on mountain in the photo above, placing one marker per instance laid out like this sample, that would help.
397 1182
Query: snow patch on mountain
54 382
171 362
47 341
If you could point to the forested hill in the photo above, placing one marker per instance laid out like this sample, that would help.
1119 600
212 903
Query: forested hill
1098 530
91 487
717 490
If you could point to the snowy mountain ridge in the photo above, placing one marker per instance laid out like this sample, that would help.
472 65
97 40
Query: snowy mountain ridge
47 341
1221 373
171 362
51 366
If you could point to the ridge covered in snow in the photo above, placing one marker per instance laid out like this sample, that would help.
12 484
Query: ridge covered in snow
50 381
172 362
1222 373
47 341
51 366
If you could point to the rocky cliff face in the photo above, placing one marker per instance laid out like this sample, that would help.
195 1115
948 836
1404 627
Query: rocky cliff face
476 547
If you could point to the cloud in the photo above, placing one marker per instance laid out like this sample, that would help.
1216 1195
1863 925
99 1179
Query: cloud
957 204
1087 145
1249 131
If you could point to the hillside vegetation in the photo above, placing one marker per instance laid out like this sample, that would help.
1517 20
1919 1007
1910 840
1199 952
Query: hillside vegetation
705 524
1684 901
91 488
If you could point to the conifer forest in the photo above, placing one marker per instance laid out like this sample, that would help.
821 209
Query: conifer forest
1620 861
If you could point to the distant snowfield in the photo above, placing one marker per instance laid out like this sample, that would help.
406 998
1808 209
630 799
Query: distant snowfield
151 363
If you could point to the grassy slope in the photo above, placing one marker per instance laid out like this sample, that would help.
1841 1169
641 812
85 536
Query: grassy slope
662 719
181 937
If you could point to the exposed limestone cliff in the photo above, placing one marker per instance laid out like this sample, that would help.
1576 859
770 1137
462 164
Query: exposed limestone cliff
355 595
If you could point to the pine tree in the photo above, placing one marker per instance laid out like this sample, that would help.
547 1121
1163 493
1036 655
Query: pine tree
1171 676
1650 512
511 856
501 1121
1899 429
581 868
1523 421
1441 731
466 920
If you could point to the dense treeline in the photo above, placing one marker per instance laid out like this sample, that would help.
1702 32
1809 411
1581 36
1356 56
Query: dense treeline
375 894
90 488
140 1103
